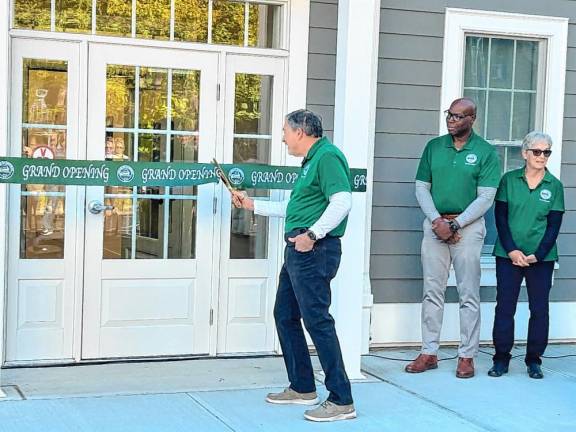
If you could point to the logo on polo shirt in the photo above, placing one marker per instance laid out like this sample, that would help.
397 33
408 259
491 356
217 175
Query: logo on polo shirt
545 195
471 159
236 176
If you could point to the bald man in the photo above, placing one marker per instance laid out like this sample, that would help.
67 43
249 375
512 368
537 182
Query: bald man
456 183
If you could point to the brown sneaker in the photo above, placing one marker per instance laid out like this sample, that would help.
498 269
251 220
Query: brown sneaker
422 363
289 396
328 411
465 368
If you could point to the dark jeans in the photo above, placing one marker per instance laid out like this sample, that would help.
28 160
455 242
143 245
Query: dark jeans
538 283
304 292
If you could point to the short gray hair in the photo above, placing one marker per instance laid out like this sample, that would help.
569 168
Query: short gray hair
534 137
309 122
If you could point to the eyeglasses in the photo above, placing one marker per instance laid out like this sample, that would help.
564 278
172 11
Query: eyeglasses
453 116
538 152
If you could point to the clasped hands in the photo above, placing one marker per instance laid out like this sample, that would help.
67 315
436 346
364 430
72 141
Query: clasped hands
519 259
441 228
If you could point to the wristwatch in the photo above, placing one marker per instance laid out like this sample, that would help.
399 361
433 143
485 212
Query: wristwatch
453 225
311 235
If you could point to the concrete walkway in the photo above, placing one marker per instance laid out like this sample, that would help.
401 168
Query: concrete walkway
228 395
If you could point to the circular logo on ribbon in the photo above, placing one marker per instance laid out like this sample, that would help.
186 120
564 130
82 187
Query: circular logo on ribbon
125 174
545 194
471 159
6 170
236 176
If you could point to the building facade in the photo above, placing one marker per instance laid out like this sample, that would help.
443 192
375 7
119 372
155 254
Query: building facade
175 271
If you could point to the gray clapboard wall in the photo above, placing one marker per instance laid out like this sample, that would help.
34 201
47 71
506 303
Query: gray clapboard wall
408 109
322 61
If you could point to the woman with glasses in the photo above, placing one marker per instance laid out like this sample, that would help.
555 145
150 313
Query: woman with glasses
529 208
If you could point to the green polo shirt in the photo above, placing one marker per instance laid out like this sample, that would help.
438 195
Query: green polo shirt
324 172
456 174
528 210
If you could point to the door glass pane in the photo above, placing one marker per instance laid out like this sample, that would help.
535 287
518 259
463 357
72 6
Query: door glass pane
32 14
185 100
252 144
191 20
264 25
153 19
74 16
114 17
120 96
149 229
228 20
153 98
42 207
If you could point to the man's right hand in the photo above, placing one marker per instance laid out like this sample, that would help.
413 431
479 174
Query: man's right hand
241 200
518 258
441 228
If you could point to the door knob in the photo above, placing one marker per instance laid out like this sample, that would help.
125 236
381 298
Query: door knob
96 207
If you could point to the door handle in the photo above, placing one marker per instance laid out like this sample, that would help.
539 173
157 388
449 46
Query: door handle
96 207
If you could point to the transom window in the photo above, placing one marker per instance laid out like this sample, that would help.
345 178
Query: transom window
245 23
504 77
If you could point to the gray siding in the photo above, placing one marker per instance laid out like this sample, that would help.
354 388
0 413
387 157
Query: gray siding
408 103
322 61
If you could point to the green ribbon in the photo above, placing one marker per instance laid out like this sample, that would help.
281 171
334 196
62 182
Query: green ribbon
124 173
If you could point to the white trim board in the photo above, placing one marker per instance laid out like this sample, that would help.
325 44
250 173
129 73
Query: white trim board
399 323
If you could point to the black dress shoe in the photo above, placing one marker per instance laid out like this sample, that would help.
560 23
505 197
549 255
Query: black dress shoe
498 369
535 371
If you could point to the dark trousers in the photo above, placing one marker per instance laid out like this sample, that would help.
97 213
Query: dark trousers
538 283
304 292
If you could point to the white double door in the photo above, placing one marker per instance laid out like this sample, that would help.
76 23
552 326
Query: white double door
161 271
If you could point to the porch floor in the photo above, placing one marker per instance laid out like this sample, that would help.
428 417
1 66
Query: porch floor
228 395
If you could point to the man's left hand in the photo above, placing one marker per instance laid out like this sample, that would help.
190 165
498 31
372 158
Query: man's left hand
531 259
302 243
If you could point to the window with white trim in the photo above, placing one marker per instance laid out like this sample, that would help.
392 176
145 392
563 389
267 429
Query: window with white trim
514 66
504 76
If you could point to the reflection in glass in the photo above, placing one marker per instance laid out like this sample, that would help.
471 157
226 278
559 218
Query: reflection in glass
252 150
182 229
228 22
153 98
184 148
499 105
249 232
264 25
191 20
153 19
524 115
501 63
32 14
119 146
185 100
152 148
476 64
150 229
114 17
118 226
478 96
74 16
42 226
526 73
514 158
44 91
120 96
253 104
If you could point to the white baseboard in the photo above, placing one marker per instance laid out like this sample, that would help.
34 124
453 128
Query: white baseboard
399 323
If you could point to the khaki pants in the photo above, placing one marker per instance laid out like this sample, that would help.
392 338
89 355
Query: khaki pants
436 259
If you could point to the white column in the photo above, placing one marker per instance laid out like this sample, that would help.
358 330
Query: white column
354 125
4 100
